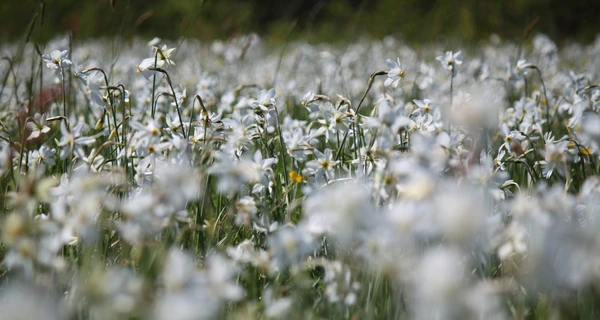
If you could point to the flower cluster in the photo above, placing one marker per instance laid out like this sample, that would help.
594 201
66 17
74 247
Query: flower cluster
228 182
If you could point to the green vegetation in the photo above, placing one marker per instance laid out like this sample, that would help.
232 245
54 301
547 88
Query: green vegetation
317 20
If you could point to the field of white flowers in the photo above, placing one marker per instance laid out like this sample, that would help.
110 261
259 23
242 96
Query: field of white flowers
241 180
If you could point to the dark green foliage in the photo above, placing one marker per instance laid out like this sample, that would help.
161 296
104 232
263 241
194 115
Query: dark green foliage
317 20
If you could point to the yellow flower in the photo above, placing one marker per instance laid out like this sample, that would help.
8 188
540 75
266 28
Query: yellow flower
297 178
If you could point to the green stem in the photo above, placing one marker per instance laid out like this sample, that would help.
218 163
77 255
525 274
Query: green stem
282 153
545 97
163 71
362 99
153 106
64 95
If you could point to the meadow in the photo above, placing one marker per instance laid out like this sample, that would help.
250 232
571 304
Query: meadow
236 179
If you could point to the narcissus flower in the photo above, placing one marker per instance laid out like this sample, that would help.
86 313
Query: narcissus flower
57 60
449 60
395 74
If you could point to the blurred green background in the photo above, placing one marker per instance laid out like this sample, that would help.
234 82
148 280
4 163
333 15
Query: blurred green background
314 20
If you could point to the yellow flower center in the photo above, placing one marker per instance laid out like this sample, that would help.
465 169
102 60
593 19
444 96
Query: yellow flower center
585 151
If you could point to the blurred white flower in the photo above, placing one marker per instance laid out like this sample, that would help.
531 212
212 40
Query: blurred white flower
290 247
42 157
338 210
72 140
192 293
246 210
19 301
450 60
37 127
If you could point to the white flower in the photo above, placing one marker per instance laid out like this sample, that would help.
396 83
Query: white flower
424 107
290 246
164 54
195 294
161 57
276 308
555 158
42 157
21 301
233 175
57 60
426 76
37 127
323 165
395 74
5 157
246 209
450 60
498 160
265 99
147 64
72 142
78 72
180 96
337 210
510 137
522 65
